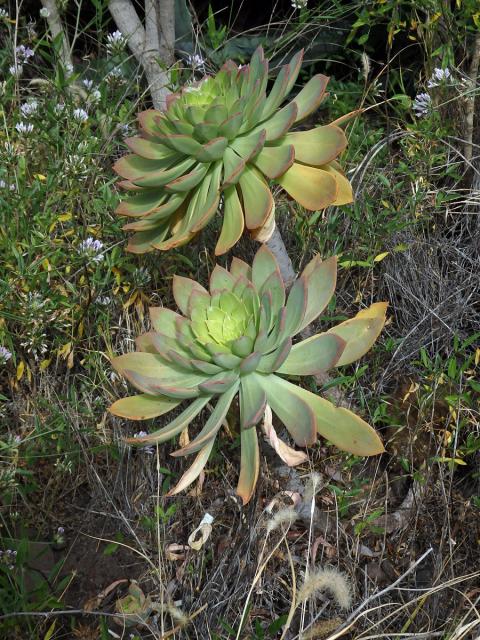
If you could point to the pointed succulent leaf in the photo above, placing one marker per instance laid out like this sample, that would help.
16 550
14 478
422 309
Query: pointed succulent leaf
252 401
275 161
220 383
272 362
182 290
212 425
233 166
321 278
249 464
240 268
257 198
233 221
342 427
313 355
150 149
220 279
143 407
317 146
165 321
313 188
242 347
296 307
194 470
292 410
141 204
173 428
360 332
311 96
344 188
263 266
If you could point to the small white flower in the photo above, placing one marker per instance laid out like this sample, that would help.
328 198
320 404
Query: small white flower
440 76
24 127
3 14
80 114
116 42
24 53
422 104
16 70
44 12
104 301
196 61
95 96
29 108
299 4
69 68
5 355
88 84
59 108
92 249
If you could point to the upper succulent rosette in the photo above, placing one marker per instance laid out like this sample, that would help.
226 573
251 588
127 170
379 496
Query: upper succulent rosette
224 137
237 339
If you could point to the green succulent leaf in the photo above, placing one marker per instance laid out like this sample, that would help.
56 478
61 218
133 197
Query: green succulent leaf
313 355
143 407
249 464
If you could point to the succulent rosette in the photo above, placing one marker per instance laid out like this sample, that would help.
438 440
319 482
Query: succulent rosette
236 340
219 144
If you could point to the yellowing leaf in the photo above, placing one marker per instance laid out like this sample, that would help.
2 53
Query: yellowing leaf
20 369
40 176
65 216
44 364
381 256
65 350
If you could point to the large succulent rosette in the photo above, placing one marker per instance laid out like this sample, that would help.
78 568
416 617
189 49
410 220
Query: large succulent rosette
236 340
225 139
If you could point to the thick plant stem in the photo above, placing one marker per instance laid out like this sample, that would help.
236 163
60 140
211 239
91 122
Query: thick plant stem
470 107
279 250
56 28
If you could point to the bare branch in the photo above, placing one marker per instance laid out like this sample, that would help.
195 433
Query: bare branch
56 28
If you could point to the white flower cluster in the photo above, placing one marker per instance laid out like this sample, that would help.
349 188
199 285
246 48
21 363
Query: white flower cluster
3 14
196 61
80 115
440 76
29 108
299 4
116 42
44 12
92 249
422 104
24 128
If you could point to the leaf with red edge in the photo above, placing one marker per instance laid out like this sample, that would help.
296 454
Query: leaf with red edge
317 146
257 198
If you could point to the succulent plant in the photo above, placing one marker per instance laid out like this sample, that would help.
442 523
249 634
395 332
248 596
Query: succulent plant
219 143
237 339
